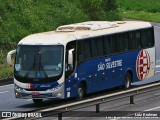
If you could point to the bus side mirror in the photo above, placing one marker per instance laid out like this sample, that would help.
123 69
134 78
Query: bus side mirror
9 56
70 56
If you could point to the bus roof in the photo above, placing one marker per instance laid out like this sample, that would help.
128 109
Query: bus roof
67 33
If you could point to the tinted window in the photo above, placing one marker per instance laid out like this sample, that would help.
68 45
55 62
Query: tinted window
137 40
99 45
80 50
87 51
122 42
147 38
125 42
97 49
107 46
94 48
84 51
113 43
132 44
150 40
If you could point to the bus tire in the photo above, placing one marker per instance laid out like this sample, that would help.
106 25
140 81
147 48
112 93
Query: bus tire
37 101
127 81
81 91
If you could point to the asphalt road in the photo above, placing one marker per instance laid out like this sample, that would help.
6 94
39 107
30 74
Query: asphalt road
150 101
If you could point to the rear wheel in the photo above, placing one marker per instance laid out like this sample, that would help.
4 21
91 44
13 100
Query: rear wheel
37 101
81 91
127 81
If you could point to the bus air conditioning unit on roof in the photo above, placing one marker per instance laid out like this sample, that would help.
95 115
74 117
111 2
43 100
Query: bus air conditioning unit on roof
93 25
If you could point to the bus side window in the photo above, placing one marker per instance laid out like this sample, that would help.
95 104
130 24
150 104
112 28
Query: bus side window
100 43
87 50
150 37
126 44
107 46
144 38
80 50
137 39
132 43
94 48
122 42
113 43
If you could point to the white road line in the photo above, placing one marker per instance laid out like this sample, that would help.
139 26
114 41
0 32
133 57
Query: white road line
6 85
153 108
4 92
157 66
29 100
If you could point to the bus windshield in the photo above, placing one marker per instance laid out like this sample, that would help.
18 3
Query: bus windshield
37 61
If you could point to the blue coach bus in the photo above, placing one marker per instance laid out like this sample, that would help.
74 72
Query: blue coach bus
82 58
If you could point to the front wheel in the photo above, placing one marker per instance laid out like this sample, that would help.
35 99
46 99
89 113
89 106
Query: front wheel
81 92
127 81
37 101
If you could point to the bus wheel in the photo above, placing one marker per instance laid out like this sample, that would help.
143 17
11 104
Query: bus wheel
127 81
37 101
81 91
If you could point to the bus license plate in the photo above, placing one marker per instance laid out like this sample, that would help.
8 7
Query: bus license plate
35 93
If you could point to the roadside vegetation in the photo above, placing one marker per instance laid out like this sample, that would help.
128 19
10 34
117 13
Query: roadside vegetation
148 10
19 18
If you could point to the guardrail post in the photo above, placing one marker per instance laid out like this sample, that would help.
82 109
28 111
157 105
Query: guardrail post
59 116
97 108
132 99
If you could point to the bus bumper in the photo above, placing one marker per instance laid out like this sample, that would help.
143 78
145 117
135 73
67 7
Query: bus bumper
49 93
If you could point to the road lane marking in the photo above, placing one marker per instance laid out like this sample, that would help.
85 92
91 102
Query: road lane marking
29 100
157 66
6 85
153 108
4 92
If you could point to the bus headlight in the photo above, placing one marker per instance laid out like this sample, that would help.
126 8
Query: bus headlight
59 94
57 87
18 88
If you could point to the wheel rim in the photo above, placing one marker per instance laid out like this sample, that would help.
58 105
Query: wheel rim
127 81
80 92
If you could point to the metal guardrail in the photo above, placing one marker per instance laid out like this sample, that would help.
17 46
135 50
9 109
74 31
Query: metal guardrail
6 81
99 100
60 110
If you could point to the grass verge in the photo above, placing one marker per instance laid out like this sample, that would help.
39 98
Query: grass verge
141 15
140 9
5 70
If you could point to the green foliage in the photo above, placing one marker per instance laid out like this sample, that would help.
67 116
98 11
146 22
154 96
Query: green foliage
5 70
141 15
19 18
111 9
101 9
22 17
92 8
140 5
140 9
110 5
